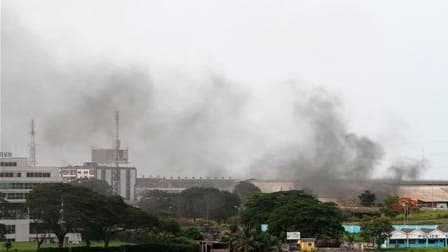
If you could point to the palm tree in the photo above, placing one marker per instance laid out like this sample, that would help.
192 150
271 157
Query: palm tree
247 239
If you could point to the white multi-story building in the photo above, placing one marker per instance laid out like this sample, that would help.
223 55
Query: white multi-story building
17 179
108 165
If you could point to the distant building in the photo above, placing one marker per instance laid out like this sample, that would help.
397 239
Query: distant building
418 238
17 179
72 173
427 195
110 156
177 185
121 175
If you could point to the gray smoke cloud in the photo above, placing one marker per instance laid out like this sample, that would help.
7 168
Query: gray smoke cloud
174 125
332 151
409 169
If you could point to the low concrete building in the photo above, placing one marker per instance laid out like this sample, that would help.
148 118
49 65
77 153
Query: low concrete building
177 185
417 238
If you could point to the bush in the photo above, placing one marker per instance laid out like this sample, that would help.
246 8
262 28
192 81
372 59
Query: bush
152 247
331 243
159 247
170 226
193 233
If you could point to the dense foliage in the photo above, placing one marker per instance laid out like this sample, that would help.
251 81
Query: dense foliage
391 207
293 211
196 202
153 247
207 203
245 189
63 208
247 239
159 203
367 198
376 230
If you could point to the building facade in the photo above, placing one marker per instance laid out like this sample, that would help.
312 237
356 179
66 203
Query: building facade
108 165
418 238
178 184
17 179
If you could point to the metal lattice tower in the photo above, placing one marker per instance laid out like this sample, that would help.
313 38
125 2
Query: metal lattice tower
33 159
116 173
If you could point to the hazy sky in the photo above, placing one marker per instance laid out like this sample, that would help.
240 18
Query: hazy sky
387 60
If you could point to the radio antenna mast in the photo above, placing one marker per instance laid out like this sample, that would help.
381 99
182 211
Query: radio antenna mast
116 172
33 160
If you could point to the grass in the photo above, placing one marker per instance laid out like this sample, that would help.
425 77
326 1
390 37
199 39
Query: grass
31 246
422 217
429 217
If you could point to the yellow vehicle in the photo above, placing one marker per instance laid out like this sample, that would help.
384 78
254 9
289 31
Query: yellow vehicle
307 244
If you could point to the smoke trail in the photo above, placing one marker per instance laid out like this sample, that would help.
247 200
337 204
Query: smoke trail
331 150
407 169
176 126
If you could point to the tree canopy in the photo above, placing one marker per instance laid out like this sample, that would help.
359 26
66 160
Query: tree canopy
376 230
245 189
65 208
159 203
293 211
196 202
208 203
367 198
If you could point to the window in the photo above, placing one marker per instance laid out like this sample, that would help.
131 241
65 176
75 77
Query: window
15 196
6 174
8 163
14 211
10 229
37 174
10 174
6 185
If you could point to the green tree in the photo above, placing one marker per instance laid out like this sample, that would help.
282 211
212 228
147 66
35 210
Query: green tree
376 230
248 239
104 216
60 207
169 225
193 233
293 211
208 203
245 239
64 208
159 203
391 206
367 198
244 190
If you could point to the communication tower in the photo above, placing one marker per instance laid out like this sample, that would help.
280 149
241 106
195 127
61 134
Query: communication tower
33 160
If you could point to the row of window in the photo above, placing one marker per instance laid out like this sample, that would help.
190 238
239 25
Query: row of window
14 211
15 196
5 185
38 174
10 229
9 174
28 174
8 163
